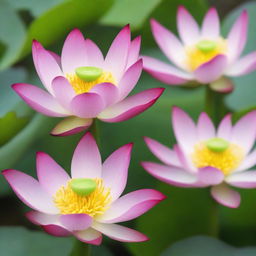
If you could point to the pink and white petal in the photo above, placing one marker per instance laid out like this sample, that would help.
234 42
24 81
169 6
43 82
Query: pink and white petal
134 51
56 57
71 125
94 54
39 218
164 72
74 222
63 91
243 179
248 162
116 59
237 36
211 25
211 70
56 230
89 236
30 191
171 175
245 139
130 79
115 170
131 205
131 106
187 27
169 44
119 233
87 105
243 66
225 128
73 53
222 85
226 196
205 127
40 100
162 152
86 161
210 176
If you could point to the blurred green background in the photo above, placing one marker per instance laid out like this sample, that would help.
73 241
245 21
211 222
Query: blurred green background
187 223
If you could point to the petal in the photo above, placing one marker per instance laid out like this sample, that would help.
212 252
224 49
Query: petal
116 59
249 161
134 51
74 222
205 127
30 191
56 230
162 152
87 105
185 159
131 206
226 196
51 176
210 176
120 233
225 127
39 218
94 54
115 170
169 44
73 53
211 70
89 236
187 26
56 57
243 179
39 100
211 25
86 161
71 125
131 106
222 85
171 175
164 72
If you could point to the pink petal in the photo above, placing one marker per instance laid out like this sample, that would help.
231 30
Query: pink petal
211 25
249 161
169 44
39 218
115 170
226 196
211 70
242 180
131 106
87 105
205 127
51 176
74 222
171 175
134 51
56 230
131 206
210 176
89 236
71 125
73 53
86 161
56 57
162 152
116 59
222 85
30 191
225 127
40 100
94 54
187 26
164 72
120 233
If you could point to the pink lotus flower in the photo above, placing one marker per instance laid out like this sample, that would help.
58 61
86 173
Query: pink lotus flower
205 156
88 204
82 85
202 55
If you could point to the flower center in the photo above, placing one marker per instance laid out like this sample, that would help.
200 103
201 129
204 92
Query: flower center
85 78
88 196
217 153
204 51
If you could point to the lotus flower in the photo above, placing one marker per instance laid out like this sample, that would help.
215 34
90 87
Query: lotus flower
202 55
82 85
205 156
88 204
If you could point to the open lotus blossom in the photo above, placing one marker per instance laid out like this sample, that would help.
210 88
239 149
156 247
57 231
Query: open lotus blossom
87 204
205 156
202 54
81 85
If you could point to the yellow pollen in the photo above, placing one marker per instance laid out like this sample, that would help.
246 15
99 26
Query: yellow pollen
81 86
94 204
197 57
225 161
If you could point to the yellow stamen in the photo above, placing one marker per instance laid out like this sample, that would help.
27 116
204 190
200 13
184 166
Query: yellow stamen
94 204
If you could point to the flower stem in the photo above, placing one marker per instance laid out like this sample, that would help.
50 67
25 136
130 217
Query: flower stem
94 129
80 249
